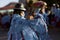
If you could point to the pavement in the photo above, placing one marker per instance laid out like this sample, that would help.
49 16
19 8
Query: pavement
53 32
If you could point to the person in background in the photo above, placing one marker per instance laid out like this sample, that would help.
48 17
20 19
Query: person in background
57 12
57 16
49 17
53 8
53 12
43 18
5 21
42 10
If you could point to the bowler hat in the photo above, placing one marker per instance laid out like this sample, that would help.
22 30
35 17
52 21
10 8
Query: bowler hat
19 6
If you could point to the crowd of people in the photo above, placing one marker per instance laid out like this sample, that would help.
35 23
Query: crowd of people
29 23
55 9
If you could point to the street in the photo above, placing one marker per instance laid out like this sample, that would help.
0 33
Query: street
53 32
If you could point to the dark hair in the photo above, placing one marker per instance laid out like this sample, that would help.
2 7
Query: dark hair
17 11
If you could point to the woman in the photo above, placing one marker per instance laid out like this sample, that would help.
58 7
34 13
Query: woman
42 17
18 14
20 29
38 25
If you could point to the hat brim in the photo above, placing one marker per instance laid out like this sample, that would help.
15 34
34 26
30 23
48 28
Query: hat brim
20 9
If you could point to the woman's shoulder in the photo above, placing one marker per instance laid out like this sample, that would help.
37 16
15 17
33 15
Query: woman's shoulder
15 15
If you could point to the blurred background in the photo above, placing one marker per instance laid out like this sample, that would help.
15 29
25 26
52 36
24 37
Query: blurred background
6 11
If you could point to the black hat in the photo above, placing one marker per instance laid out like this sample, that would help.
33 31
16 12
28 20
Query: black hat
19 6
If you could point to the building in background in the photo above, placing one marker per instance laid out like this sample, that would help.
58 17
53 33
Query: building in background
8 8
